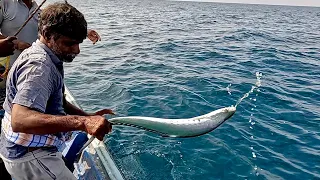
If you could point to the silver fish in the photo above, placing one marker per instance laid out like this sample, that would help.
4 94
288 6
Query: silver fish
190 127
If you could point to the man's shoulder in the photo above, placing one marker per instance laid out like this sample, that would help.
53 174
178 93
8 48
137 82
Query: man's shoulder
35 53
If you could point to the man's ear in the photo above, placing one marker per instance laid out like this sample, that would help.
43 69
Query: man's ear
46 35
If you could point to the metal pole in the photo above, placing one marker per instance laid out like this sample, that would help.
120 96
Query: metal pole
25 23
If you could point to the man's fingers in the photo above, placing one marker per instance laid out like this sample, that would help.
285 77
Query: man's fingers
98 37
11 41
97 126
100 138
109 111
11 38
109 126
105 130
104 111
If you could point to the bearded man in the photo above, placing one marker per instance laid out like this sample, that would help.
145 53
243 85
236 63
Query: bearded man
37 117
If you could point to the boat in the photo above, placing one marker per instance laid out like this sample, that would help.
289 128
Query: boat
95 162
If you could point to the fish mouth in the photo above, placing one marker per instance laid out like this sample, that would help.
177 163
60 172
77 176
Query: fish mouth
231 110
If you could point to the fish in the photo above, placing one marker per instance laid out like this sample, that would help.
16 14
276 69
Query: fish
176 128
180 128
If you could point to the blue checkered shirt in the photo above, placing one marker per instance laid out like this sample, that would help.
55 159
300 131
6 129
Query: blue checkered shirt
35 81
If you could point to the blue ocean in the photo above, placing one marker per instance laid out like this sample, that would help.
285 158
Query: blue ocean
175 59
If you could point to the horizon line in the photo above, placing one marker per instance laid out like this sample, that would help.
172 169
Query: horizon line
292 5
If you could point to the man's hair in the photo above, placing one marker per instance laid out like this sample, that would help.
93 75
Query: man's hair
62 19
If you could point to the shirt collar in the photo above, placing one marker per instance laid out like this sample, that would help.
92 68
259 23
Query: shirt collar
53 57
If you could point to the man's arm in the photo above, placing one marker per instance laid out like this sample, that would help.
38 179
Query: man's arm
20 45
34 86
7 46
26 120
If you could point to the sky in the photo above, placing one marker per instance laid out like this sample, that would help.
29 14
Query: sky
274 2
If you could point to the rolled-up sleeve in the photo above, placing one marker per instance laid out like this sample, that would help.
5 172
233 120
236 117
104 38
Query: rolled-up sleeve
34 85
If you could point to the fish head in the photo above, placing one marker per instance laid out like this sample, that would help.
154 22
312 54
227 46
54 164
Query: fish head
219 116
208 122
229 112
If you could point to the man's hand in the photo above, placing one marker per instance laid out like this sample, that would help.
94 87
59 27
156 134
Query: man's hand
20 45
7 46
97 126
93 36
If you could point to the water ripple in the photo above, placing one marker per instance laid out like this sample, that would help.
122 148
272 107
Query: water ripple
175 59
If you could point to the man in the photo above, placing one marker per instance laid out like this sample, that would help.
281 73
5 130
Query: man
35 120
13 14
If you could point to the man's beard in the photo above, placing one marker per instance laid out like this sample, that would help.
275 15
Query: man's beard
62 56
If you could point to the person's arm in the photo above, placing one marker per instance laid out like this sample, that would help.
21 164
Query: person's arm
19 45
35 84
26 120
7 46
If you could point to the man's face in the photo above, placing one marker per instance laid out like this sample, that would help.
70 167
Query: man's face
65 48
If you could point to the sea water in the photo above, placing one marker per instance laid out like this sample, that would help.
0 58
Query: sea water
172 59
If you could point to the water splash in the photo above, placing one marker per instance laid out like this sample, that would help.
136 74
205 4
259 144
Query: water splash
256 86
251 119
228 89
